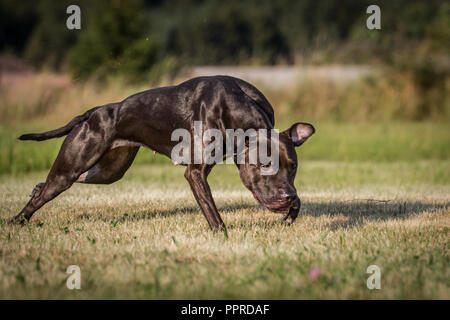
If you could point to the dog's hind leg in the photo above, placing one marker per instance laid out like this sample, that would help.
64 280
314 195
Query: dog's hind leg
81 149
111 166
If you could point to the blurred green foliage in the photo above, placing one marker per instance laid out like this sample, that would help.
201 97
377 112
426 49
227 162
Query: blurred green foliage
132 37
146 40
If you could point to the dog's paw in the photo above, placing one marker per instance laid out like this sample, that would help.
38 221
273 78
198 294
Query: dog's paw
20 221
288 220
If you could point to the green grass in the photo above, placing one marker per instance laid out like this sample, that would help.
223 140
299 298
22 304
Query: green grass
379 142
332 142
145 237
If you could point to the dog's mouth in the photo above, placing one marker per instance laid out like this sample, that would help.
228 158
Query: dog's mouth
275 206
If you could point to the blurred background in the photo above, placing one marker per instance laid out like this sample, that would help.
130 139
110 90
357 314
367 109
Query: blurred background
373 95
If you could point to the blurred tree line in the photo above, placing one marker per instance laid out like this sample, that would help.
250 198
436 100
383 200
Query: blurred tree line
140 37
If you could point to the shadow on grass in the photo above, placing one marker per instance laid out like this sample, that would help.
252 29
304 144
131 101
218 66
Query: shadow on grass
357 212
151 214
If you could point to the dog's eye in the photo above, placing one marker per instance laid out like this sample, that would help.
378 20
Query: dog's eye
265 166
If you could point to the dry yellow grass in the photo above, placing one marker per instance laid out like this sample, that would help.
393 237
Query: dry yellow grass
48 98
145 237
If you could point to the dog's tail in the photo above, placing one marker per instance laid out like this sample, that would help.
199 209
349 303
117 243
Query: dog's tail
60 131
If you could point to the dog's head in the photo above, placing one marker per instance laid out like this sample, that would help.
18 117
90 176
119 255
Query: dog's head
275 190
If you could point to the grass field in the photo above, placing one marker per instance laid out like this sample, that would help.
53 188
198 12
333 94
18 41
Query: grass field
145 237
375 188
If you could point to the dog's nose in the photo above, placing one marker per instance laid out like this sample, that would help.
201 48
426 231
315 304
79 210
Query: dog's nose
290 197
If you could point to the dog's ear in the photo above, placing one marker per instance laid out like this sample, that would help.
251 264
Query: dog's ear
299 132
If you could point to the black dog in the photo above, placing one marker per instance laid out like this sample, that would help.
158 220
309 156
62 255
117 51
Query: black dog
102 143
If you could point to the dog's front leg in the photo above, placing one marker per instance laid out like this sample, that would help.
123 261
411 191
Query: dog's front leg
196 176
